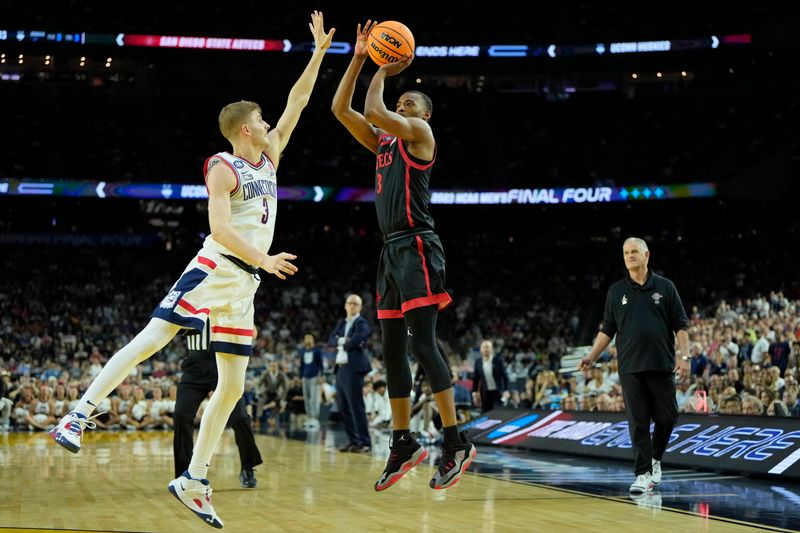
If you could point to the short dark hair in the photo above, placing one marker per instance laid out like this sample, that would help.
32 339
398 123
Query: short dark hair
378 384
425 98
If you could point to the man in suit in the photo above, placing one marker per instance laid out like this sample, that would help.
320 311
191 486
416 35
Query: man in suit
350 336
490 379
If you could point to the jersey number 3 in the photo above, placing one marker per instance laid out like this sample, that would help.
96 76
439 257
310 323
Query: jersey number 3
265 216
379 187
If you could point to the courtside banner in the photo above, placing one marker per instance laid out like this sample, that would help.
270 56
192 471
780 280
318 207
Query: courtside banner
744 444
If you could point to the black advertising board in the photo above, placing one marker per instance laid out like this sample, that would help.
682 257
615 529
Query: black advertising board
744 444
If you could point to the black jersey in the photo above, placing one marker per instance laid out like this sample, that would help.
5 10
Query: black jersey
402 193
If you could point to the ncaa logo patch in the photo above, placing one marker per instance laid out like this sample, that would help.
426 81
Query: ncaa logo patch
170 300
238 164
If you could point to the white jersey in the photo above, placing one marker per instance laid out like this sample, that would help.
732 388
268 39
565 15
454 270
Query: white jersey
254 201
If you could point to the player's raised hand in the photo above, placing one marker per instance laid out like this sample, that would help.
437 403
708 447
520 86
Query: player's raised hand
322 40
360 48
280 265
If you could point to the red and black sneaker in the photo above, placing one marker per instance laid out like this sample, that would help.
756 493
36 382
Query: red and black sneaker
453 462
404 454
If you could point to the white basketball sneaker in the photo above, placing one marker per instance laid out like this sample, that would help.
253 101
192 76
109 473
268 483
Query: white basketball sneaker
196 495
69 430
656 472
643 483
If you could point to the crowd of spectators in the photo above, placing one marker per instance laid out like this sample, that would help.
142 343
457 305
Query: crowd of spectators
66 308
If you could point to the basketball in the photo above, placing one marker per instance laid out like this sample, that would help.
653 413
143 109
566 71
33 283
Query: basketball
389 41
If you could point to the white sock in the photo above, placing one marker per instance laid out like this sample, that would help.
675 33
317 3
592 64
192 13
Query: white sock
151 339
230 387
198 471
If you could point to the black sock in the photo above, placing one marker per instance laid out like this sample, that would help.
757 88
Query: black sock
451 435
401 435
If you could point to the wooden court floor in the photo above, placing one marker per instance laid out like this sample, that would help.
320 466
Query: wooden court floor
118 482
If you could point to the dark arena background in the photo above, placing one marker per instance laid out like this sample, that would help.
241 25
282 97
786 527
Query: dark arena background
561 130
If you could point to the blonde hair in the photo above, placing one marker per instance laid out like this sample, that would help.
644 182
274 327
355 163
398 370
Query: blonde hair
234 115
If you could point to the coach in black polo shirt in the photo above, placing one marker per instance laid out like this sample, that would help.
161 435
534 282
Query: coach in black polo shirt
646 314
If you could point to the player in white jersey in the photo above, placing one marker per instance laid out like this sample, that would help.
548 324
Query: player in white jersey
221 281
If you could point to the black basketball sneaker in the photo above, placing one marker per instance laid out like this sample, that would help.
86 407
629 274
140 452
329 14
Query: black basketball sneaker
404 454
453 462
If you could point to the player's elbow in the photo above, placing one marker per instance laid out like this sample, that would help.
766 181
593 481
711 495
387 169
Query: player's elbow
220 231
301 101
373 116
338 110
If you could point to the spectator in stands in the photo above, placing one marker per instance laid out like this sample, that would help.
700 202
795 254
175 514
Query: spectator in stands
461 394
489 378
598 384
733 380
272 387
6 404
779 352
752 406
380 412
699 360
603 402
311 373
569 403
767 397
731 405
295 403
790 400
760 347
547 391
424 413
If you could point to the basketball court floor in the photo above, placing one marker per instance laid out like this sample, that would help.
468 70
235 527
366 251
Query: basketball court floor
118 483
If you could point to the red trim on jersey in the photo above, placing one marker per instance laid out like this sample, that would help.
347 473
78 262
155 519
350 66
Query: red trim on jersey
389 313
442 300
235 174
268 158
189 307
408 160
207 262
408 198
420 249
256 166
233 331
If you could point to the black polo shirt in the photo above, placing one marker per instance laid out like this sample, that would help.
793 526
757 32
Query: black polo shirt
645 319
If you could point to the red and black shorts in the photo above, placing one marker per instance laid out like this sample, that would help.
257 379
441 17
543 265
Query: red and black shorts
410 273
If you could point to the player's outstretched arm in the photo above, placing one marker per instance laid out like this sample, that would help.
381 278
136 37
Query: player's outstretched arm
301 91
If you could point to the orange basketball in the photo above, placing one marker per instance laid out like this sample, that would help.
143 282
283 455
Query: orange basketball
389 41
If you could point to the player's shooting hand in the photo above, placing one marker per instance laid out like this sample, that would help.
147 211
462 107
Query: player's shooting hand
392 69
280 265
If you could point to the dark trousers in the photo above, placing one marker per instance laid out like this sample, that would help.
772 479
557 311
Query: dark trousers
649 396
490 400
350 400
188 401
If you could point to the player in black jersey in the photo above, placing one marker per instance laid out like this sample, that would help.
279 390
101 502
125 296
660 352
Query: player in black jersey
411 270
